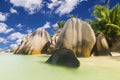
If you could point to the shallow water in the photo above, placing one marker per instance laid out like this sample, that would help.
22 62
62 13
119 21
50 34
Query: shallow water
20 67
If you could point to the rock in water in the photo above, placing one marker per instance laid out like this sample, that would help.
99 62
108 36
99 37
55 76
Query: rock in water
101 47
34 43
77 36
64 57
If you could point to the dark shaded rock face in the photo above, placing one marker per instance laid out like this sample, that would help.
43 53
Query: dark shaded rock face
115 45
45 48
77 36
64 57
101 47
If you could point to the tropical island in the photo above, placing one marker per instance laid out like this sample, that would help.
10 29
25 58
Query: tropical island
83 49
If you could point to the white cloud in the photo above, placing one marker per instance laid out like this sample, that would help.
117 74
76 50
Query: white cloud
3 17
4 28
67 6
20 26
12 10
53 4
29 31
60 7
18 41
13 46
63 6
16 35
3 40
46 25
1 50
55 25
31 6
9 30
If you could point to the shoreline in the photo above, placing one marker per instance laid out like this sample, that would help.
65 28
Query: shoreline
115 54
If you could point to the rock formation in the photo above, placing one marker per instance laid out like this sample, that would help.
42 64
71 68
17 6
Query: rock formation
34 43
64 57
101 47
54 41
14 49
55 37
77 36
8 51
115 47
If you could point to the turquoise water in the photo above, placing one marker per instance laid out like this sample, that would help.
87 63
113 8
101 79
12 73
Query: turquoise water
20 67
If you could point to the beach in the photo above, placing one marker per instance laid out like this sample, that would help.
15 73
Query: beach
33 67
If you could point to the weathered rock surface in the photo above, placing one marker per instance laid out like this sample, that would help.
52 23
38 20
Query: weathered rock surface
64 57
115 47
34 43
77 36
54 41
14 49
101 47
55 37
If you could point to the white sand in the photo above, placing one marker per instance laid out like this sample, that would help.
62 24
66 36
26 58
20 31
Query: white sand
115 54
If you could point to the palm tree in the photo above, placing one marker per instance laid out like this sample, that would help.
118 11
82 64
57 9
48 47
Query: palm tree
107 21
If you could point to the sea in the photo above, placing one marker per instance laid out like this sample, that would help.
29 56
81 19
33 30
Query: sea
33 67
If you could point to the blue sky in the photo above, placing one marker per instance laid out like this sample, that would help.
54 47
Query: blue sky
20 17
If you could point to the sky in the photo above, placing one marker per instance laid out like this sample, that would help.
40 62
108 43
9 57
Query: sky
21 17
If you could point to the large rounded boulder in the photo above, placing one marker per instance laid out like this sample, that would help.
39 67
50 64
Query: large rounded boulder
34 43
64 57
101 47
77 36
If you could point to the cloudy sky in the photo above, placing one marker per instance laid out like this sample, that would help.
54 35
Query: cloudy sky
20 17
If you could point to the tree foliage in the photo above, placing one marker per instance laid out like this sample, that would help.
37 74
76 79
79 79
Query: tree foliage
107 20
60 24
73 16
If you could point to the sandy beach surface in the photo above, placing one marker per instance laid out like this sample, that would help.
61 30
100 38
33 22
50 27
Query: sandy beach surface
33 67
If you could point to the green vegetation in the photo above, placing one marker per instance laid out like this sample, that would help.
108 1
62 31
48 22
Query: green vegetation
107 21
60 24
73 16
